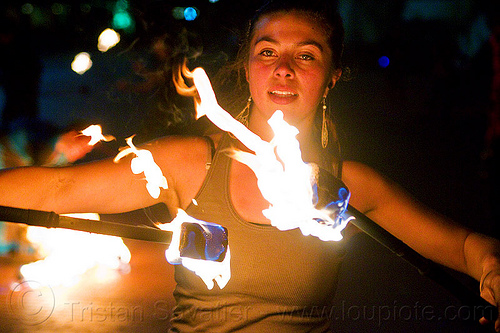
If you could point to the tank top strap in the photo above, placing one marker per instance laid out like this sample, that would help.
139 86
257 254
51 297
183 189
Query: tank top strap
212 200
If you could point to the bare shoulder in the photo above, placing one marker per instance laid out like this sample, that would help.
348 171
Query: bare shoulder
175 145
183 160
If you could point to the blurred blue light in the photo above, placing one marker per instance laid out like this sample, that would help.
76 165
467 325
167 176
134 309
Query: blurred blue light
383 61
190 14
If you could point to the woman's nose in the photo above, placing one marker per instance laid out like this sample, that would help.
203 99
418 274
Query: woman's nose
284 68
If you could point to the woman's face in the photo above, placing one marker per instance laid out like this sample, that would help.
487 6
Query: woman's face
289 67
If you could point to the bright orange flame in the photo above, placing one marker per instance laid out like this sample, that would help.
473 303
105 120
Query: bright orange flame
69 254
284 180
182 88
143 162
95 133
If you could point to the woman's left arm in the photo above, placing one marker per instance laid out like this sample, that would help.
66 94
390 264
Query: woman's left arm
432 235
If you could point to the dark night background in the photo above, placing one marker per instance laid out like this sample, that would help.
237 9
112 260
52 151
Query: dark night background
422 120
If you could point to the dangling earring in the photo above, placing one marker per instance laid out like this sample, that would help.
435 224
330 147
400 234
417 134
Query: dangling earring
242 117
324 127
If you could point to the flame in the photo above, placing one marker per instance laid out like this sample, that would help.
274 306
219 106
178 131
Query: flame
284 180
288 184
95 133
69 254
206 104
209 271
182 88
143 162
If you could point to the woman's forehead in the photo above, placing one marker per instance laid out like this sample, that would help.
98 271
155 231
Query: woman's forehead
293 25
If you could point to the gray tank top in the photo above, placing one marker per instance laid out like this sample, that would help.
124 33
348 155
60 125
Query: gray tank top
281 281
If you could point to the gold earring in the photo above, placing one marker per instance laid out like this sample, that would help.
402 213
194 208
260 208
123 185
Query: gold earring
324 127
242 117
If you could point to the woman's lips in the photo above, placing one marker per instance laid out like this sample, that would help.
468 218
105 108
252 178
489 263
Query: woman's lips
282 97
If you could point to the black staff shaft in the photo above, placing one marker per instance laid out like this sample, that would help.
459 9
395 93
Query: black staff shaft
52 220
425 266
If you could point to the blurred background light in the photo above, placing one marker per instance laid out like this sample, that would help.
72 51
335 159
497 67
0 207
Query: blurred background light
383 61
190 13
27 9
107 39
57 8
81 63
85 8
121 16
178 13
122 20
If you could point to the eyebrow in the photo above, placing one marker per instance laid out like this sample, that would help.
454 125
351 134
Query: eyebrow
303 43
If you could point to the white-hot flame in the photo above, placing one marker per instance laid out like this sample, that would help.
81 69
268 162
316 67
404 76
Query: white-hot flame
69 254
143 162
206 104
95 133
209 271
284 180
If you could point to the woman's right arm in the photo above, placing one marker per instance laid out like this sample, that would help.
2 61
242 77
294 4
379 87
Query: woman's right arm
105 186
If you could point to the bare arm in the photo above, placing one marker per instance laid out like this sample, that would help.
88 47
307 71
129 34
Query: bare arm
432 235
105 186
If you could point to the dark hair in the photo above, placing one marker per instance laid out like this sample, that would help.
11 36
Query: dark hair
323 12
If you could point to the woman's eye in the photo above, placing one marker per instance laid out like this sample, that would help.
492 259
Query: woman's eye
266 53
305 57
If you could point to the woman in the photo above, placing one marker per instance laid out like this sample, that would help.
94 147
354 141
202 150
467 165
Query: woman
291 61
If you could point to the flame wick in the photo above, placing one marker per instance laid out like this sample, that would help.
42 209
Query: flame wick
208 271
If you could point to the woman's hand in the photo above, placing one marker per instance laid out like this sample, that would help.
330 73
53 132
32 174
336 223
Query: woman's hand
70 147
490 291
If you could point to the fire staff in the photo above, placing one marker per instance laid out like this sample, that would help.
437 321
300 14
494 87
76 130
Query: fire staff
290 61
